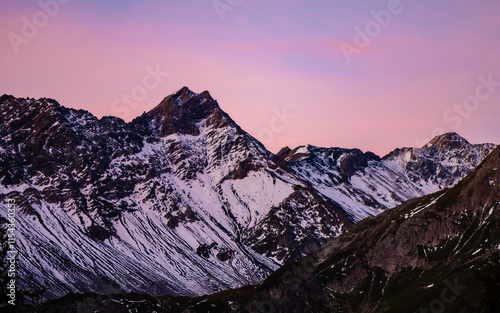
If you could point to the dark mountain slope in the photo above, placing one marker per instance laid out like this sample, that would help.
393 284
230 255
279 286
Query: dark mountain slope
401 260
418 257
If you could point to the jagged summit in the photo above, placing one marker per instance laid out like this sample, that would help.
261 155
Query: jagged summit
284 152
11 103
297 154
182 113
184 90
185 93
5 97
451 140
189 100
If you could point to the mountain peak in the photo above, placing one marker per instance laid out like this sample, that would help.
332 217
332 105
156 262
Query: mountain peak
184 93
185 89
182 111
189 100
295 155
6 97
451 139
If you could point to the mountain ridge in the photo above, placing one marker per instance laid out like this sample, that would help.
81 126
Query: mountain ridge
419 256
186 200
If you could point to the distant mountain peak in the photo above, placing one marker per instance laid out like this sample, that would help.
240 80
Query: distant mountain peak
451 139
6 97
284 152
295 155
184 90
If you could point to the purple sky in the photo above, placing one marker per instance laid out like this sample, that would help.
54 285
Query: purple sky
375 75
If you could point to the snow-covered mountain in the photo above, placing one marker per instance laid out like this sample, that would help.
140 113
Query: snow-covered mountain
365 184
183 201
440 250
168 203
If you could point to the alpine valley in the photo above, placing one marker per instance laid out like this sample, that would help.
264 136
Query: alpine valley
183 202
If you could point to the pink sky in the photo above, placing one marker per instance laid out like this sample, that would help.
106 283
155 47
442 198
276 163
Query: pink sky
268 56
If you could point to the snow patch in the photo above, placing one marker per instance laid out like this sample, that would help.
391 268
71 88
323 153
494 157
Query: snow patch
303 149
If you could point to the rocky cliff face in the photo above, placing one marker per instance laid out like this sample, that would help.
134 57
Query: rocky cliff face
365 184
403 259
179 201
183 201
418 257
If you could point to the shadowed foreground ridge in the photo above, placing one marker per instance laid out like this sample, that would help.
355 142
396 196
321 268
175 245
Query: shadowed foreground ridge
419 255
